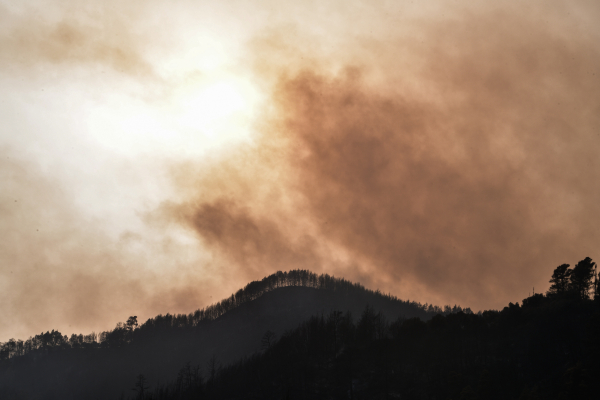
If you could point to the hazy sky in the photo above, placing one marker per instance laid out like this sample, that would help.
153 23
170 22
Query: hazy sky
156 156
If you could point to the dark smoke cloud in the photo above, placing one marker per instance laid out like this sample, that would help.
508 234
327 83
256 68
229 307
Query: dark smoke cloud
461 167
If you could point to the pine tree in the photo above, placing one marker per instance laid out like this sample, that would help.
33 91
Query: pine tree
581 278
560 280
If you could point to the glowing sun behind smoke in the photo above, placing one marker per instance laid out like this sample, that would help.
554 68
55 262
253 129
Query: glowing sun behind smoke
220 110
216 101
195 116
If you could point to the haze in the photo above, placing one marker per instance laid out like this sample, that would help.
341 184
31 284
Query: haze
157 156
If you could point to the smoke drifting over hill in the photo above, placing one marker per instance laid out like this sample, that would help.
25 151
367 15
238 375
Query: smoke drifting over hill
457 167
442 152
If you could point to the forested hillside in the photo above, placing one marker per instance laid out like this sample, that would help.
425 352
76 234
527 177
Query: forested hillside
105 364
297 335
546 348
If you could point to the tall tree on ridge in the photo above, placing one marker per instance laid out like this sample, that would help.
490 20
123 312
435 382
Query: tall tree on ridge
596 284
560 280
581 278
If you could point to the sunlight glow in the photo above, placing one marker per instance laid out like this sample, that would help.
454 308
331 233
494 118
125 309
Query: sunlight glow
202 108
198 115
218 112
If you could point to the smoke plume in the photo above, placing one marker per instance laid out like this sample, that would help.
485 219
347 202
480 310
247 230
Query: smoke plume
443 152
461 167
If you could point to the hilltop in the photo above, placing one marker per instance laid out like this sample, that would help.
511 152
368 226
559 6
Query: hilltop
106 364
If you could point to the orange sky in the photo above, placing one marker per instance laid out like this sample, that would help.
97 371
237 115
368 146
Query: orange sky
156 157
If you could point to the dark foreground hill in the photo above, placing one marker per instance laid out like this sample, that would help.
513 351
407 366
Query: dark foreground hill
546 348
549 348
52 366
297 335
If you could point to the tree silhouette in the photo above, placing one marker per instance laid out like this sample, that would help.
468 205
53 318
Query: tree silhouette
560 280
140 386
130 326
131 323
596 284
213 367
581 278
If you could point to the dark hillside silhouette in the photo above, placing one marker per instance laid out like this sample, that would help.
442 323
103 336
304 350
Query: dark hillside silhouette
297 335
106 363
546 348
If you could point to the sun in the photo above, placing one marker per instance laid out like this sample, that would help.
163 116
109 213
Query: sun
197 116
219 110
211 103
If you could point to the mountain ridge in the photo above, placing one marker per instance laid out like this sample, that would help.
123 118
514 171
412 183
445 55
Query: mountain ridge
279 279
225 331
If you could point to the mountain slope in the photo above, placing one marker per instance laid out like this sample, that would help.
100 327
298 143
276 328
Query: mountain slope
545 349
227 331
